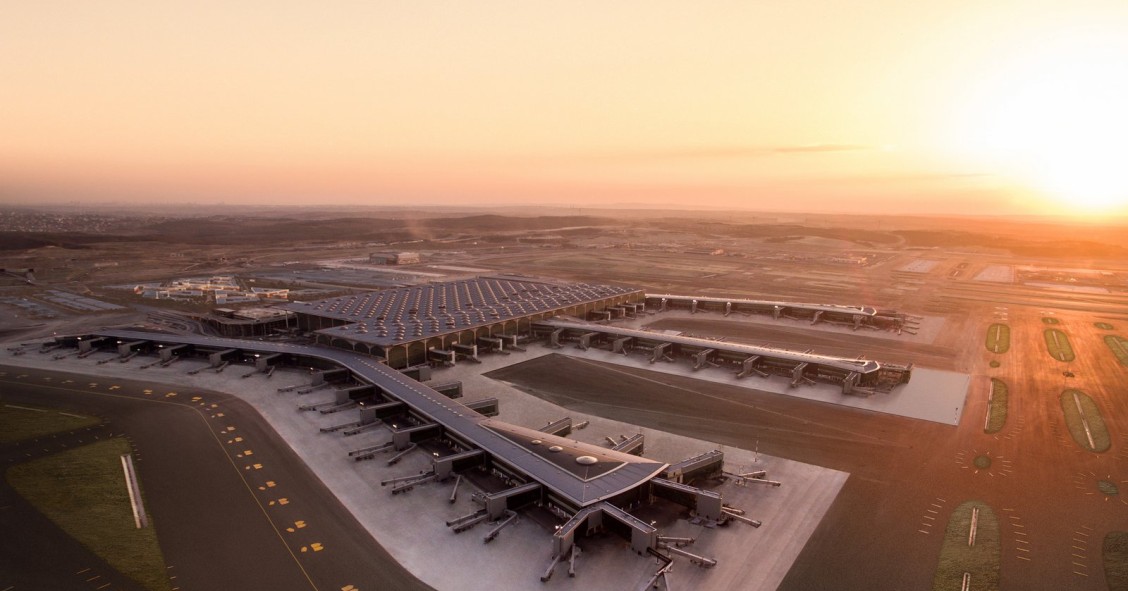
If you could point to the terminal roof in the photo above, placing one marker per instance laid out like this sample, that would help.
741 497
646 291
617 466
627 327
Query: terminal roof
580 483
393 316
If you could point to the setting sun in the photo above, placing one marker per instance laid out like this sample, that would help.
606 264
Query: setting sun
1055 119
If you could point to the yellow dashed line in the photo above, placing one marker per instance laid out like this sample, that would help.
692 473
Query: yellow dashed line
248 452
299 524
238 439
258 466
170 394
317 547
115 387
283 501
270 484
195 398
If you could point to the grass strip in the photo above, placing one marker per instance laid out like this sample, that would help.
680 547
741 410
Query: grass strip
1119 346
1092 415
997 407
1115 552
18 421
998 338
1058 345
957 558
83 491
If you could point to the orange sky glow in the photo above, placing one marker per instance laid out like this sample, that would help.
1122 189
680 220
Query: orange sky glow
1007 107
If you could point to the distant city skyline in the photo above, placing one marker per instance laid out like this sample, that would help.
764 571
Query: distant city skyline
908 107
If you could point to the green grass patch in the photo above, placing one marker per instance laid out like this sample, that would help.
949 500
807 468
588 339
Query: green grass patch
1049 320
1103 325
1119 346
1108 488
1070 400
997 407
24 422
956 557
982 462
998 338
83 491
1115 554
1058 345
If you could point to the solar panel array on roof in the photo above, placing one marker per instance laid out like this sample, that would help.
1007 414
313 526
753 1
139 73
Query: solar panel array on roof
405 314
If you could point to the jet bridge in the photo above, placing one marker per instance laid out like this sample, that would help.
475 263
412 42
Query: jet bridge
706 503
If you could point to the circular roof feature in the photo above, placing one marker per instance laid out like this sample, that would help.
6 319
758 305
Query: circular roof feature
556 448
586 460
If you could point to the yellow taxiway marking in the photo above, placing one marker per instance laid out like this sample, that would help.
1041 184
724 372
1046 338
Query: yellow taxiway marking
170 394
115 387
237 439
218 414
147 391
258 466
214 405
93 384
270 484
195 398
231 428
299 524
46 378
283 501
248 452
68 381
350 588
290 529
317 547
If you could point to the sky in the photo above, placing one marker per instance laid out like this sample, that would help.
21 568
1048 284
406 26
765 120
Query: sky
1012 107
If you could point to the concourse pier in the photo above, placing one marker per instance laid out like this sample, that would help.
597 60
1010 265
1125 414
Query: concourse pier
580 483
853 316
859 377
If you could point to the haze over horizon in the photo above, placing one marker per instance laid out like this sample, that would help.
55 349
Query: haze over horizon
1012 108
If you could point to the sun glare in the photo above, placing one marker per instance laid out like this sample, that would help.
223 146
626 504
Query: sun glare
1056 119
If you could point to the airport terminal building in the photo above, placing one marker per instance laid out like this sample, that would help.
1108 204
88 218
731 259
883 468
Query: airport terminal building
445 321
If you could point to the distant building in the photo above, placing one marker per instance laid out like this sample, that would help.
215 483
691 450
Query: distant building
395 258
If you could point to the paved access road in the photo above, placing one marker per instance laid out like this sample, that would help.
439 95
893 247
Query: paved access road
234 506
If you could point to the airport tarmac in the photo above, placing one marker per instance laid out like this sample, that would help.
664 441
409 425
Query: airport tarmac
222 489
759 558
